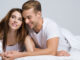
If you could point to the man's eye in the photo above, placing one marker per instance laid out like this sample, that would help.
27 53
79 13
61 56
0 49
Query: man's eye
29 17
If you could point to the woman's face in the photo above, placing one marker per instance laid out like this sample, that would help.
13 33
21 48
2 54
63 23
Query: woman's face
15 20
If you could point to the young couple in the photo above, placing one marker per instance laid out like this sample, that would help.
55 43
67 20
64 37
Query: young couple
25 33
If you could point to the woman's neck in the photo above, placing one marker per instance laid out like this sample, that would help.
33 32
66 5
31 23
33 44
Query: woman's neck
11 37
12 31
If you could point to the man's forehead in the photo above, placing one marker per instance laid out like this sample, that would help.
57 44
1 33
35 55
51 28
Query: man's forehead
26 15
29 10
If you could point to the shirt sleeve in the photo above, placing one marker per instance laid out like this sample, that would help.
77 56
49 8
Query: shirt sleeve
52 30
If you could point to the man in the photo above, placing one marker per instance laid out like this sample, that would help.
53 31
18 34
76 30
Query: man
44 32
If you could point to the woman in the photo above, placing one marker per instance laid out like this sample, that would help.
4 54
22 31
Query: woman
13 33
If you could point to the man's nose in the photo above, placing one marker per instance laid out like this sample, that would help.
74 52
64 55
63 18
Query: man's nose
27 21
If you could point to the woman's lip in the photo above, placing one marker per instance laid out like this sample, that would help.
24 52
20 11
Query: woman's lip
13 24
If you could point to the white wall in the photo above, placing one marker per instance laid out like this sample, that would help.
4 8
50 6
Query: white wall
65 12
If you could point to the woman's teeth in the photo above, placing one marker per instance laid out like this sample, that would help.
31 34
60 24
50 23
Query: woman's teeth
14 24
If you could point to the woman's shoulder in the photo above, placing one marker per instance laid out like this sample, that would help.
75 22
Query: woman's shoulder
1 39
28 37
1 42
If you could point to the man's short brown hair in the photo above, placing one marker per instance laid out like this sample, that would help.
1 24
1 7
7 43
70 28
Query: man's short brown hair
32 4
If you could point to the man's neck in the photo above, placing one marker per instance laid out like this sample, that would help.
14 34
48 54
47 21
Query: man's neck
39 26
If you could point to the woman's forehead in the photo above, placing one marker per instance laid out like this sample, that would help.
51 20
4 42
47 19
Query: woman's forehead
16 13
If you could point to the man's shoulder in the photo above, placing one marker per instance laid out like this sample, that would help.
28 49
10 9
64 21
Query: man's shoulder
49 21
50 24
46 18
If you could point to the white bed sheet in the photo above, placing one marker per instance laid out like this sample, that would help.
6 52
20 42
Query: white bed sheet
75 55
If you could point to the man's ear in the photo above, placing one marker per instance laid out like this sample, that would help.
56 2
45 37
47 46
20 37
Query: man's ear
39 13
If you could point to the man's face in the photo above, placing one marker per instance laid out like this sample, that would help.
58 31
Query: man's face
31 18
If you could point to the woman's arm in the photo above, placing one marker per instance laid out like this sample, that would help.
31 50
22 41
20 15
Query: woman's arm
29 44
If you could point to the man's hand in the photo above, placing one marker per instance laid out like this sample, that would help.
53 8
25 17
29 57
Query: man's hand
63 53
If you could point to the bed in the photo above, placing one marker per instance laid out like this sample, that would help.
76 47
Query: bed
75 55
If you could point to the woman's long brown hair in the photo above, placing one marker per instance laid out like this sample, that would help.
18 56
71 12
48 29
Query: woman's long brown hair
21 32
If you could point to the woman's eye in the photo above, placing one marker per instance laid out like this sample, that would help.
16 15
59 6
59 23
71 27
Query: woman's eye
20 19
13 16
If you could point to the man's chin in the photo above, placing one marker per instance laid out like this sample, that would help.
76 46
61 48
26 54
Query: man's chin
31 27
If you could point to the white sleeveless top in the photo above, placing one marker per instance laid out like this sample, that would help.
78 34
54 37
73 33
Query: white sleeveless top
12 48
1 50
9 48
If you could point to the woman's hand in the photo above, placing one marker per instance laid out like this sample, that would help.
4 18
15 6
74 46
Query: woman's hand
4 57
10 55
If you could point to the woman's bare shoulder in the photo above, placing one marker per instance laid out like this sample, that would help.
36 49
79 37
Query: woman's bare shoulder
28 37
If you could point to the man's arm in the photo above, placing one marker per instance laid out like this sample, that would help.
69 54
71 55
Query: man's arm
51 49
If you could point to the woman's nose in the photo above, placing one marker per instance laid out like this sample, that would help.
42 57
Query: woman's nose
15 21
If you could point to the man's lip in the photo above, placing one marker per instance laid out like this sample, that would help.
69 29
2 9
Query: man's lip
30 24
